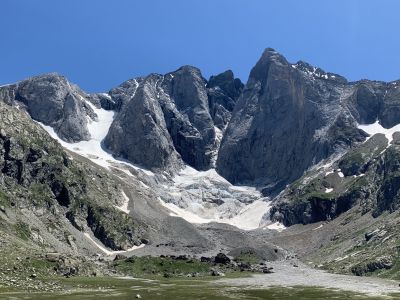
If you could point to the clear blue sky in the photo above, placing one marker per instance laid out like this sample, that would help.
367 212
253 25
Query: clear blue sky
100 43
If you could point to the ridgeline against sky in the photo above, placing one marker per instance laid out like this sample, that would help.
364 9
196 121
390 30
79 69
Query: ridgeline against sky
98 44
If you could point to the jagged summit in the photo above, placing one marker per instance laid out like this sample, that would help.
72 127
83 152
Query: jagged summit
283 109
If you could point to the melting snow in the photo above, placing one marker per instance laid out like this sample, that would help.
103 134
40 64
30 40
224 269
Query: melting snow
108 252
276 226
319 227
93 148
329 172
106 95
361 175
375 128
340 174
124 206
248 218
189 176
328 190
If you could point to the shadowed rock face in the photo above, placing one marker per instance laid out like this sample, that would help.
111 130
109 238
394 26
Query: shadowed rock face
165 121
185 105
286 120
52 100
139 132
123 93
223 92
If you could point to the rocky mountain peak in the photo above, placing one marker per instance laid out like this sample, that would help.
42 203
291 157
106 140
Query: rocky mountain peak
269 58
227 82
284 122
52 100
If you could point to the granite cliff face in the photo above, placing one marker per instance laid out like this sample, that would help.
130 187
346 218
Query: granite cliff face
52 100
170 119
291 116
223 92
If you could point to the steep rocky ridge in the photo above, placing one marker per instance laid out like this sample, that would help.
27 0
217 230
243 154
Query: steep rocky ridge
37 175
291 116
183 112
54 101
364 176
223 91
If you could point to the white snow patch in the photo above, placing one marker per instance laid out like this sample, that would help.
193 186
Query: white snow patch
376 127
329 172
218 139
218 133
341 258
108 252
189 175
248 218
276 226
327 165
361 175
340 174
124 206
106 95
328 190
319 227
93 149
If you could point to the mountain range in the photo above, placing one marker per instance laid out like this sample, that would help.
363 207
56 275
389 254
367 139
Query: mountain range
296 162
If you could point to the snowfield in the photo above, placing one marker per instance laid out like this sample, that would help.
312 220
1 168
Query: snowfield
376 127
205 196
249 218
124 206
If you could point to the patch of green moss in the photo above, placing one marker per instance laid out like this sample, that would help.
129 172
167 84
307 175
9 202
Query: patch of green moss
22 230
40 193
4 199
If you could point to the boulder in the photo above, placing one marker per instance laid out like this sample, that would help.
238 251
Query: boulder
222 258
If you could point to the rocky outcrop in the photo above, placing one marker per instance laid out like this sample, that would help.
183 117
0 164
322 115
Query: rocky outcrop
139 132
53 101
223 92
366 176
185 105
165 120
37 175
380 263
123 93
